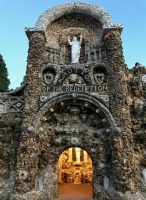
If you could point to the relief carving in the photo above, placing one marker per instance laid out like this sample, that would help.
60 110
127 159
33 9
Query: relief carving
74 79
15 104
99 78
48 78
99 75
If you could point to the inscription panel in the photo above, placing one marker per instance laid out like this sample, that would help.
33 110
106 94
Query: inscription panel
75 88
90 79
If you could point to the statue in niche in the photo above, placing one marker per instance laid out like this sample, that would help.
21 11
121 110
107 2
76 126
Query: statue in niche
48 78
99 78
74 79
75 48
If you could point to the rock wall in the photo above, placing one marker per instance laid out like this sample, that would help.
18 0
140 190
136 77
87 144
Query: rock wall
28 150
124 163
10 131
97 104
137 100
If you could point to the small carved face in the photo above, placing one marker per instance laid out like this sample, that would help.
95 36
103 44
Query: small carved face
99 78
48 78
73 78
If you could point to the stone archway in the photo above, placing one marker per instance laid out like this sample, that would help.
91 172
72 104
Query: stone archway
75 173
79 7
72 122
98 105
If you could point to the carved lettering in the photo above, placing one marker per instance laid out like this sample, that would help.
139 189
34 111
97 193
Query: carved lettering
75 88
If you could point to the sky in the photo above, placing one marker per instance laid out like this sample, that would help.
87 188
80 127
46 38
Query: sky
15 15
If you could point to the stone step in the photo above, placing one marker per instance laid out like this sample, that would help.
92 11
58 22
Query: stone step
74 198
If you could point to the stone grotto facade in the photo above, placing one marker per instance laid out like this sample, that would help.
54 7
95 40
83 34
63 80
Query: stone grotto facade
96 106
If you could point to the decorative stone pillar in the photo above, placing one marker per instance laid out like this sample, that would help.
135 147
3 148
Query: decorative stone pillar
122 144
70 155
87 51
62 54
78 154
28 151
85 156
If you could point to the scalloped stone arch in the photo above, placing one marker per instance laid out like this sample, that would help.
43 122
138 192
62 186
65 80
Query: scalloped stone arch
78 7
76 96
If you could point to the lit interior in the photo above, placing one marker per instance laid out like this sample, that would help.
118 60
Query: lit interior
75 167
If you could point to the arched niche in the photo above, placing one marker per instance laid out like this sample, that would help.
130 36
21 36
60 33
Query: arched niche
48 76
100 74
73 19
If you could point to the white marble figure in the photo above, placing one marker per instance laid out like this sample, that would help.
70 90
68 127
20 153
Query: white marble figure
75 49
106 182
40 185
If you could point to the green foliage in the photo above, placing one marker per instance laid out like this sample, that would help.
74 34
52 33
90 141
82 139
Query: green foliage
4 81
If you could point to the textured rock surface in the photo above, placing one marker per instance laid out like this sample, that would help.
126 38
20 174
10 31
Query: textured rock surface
98 105
73 7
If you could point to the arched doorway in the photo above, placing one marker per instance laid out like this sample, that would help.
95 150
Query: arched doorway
75 173
64 123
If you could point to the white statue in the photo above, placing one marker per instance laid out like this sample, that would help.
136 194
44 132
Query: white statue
75 48
106 182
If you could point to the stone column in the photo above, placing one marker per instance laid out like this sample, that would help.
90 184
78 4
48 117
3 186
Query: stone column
122 144
70 155
78 154
85 156
28 151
